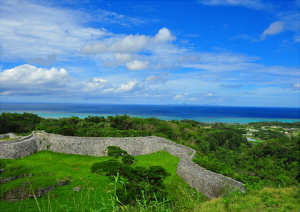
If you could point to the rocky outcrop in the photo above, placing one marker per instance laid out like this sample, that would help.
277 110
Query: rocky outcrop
16 194
24 192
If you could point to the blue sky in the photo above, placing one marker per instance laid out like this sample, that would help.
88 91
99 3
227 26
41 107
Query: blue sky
206 52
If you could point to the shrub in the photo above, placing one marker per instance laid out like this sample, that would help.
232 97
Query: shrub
128 159
116 151
138 182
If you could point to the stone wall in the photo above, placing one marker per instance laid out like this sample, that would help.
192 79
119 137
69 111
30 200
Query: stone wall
96 146
18 148
9 135
4 136
206 182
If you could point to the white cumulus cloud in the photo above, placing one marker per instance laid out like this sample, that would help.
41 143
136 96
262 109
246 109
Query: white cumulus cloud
31 79
129 43
164 34
27 74
137 65
99 80
155 79
28 80
130 86
96 84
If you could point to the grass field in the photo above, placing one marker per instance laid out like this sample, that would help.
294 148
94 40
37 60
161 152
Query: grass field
48 168
256 139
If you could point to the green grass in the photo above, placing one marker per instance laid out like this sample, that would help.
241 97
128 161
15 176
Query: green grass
185 197
296 133
44 163
266 199
166 160
96 191
6 139
94 187
256 139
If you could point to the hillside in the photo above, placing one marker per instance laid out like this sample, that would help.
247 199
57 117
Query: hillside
269 164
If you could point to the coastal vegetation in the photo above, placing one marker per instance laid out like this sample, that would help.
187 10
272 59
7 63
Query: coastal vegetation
269 168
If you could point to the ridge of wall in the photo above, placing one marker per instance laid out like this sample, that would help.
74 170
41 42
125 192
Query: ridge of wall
4 136
8 135
18 148
208 183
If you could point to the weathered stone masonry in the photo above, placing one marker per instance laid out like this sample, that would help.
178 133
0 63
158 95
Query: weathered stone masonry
206 182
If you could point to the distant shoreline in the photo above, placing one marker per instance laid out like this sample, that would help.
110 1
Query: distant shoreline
229 120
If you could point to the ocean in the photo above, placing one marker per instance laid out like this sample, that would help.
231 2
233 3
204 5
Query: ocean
210 114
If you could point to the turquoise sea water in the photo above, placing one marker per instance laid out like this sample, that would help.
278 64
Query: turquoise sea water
168 118
240 115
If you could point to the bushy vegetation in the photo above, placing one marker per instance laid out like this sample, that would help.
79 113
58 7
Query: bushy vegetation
136 183
295 124
220 147
257 198
18 123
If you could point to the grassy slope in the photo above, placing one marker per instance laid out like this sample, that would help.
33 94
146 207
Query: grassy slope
185 197
94 186
266 199
78 166
47 163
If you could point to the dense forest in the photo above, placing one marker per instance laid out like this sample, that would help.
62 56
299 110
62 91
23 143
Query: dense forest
275 123
220 147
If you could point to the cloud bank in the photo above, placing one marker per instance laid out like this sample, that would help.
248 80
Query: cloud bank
28 80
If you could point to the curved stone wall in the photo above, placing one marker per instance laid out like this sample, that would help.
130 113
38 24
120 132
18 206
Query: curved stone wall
8 135
4 136
206 182
18 148
96 146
